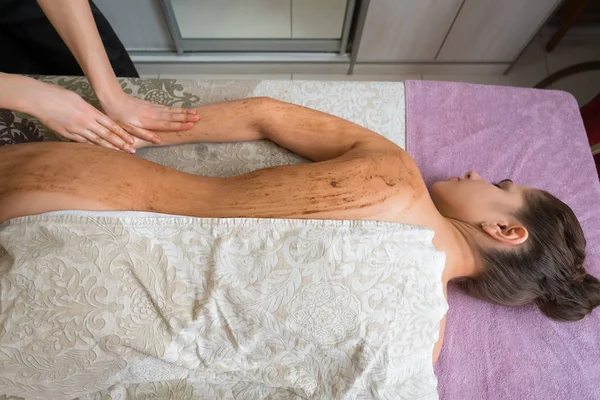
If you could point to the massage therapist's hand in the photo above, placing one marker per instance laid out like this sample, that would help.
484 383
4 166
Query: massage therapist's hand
74 22
67 114
140 118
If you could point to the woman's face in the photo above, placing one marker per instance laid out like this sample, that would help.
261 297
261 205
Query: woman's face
473 200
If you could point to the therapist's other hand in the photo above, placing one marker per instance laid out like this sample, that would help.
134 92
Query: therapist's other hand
67 114
140 118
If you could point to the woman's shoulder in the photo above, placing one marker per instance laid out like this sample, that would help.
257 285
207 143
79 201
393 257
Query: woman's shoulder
407 197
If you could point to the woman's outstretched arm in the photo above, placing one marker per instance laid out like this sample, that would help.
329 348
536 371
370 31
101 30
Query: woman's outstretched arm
309 133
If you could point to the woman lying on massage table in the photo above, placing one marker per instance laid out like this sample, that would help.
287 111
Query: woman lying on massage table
505 243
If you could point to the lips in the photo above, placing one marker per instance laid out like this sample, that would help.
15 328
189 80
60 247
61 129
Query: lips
454 179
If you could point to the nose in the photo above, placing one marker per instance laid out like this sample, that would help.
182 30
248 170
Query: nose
473 175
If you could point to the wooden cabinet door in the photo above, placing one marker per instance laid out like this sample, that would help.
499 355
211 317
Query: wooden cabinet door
494 30
406 30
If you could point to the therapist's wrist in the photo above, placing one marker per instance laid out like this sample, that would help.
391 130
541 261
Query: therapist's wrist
109 94
29 96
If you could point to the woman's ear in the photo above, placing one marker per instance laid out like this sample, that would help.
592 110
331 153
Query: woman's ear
508 233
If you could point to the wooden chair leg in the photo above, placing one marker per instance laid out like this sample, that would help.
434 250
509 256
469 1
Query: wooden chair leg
570 70
573 12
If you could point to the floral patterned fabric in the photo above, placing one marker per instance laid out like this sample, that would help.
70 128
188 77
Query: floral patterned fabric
102 307
378 106
16 128
141 306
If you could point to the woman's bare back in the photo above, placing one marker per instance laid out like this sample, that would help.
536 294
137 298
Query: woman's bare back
51 176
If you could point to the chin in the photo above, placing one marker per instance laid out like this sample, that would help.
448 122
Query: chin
438 188
437 193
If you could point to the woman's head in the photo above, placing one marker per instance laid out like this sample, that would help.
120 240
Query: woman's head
535 251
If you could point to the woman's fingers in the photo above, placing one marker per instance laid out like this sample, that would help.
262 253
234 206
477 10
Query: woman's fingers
99 135
169 126
76 137
113 127
178 116
172 119
141 133
181 110
169 120
177 110
112 138
93 138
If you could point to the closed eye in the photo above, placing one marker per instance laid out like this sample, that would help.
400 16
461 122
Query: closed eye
497 184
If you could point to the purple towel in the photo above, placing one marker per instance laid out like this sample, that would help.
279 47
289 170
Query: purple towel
536 138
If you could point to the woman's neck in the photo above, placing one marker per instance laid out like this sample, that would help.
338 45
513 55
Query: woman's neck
456 239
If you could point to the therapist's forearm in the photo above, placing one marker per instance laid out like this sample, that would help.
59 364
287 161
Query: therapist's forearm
18 92
74 22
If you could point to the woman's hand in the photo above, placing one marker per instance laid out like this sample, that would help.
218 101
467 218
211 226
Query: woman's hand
139 118
67 114
74 22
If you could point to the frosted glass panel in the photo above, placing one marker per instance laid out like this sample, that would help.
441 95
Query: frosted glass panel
318 19
260 19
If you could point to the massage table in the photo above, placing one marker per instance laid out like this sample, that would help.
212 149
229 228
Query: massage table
534 137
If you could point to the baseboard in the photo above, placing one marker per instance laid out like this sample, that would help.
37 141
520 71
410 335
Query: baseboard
240 63
225 58
190 68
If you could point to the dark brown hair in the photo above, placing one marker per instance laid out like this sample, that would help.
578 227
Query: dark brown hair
547 269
